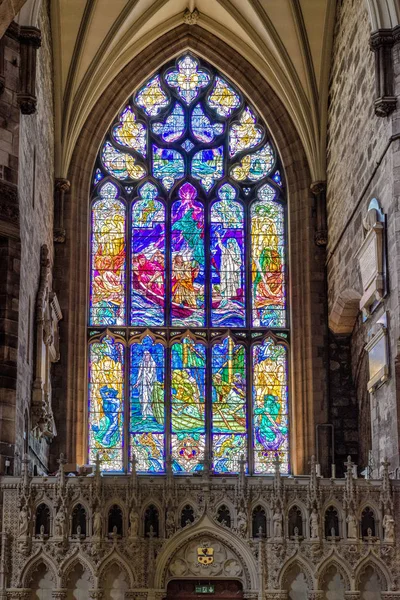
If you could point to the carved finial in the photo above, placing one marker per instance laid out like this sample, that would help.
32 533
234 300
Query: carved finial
133 463
191 17
98 465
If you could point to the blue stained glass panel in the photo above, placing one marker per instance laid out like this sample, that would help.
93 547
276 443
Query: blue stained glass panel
207 166
188 361
147 422
148 259
174 125
202 127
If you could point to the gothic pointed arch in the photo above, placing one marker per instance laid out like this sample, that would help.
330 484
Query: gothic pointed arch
306 263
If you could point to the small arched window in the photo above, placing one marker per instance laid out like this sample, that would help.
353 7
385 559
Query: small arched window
368 524
295 522
187 515
151 522
331 522
224 515
115 520
78 521
42 520
259 522
188 234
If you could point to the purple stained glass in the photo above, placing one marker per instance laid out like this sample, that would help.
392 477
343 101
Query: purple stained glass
187 259
108 259
148 259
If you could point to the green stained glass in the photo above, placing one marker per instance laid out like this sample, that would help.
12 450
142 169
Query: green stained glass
228 406
168 166
207 166
270 421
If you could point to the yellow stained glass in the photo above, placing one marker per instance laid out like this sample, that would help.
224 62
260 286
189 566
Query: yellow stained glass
223 98
131 133
121 165
245 134
151 97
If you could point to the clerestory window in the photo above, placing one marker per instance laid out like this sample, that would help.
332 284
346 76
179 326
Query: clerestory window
188 326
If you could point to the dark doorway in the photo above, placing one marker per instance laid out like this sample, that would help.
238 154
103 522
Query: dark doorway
204 589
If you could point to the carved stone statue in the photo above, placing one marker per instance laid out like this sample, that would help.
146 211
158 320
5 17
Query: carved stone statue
60 523
170 523
351 527
134 523
97 523
242 522
388 526
314 524
23 521
277 523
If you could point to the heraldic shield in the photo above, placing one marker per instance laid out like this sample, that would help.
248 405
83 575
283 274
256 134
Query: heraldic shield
205 556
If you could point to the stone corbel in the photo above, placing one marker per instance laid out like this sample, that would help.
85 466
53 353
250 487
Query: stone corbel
30 41
381 43
61 187
318 188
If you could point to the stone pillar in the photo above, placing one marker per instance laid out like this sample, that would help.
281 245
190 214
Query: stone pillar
30 39
61 186
318 188
381 43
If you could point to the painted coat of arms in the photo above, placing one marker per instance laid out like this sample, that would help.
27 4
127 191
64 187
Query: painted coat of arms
205 556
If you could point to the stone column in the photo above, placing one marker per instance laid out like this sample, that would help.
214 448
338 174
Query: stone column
381 43
61 187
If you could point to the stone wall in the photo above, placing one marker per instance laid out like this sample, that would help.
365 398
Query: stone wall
36 185
362 158
26 223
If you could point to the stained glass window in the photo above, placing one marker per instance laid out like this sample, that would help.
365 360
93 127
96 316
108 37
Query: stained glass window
187 324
